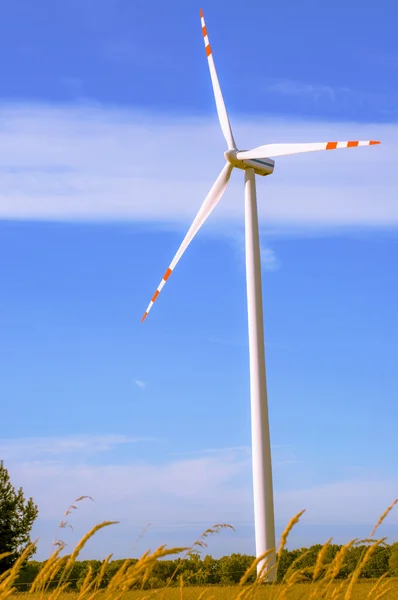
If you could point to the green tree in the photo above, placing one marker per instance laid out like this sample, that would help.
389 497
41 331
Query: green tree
211 569
285 560
16 519
27 575
378 563
375 567
234 566
78 576
162 571
309 557
393 560
112 569
307 562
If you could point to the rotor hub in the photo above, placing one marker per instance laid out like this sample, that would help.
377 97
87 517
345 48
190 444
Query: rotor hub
230 156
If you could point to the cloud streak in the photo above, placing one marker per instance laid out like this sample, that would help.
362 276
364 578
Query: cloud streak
299 88
141 384
93 163
59 447
343 96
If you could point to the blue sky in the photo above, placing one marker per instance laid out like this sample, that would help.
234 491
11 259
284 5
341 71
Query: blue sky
109 142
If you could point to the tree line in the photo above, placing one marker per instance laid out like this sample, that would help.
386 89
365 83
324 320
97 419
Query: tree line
227 570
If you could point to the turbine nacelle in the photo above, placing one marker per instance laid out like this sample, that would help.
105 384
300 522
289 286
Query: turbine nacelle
263 166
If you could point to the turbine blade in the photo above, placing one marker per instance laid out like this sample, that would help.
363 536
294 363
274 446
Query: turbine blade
211 201
221 109
271 150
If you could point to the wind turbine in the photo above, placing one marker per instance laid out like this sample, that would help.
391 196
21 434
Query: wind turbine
252 162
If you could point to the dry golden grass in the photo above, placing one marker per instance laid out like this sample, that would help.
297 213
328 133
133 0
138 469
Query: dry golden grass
361 591
322 585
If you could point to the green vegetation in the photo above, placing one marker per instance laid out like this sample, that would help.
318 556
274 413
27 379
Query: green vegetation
228 570
16 519
393 560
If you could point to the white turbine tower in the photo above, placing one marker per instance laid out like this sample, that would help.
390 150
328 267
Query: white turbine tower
252 162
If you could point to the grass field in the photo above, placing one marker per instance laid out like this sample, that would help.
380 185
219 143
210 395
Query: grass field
299 591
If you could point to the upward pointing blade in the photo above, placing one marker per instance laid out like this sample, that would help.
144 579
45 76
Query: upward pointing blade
271 150
211 201
221 109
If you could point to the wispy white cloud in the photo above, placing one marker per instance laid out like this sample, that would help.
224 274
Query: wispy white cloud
94 163
244 449
376 101
57 447
269 261
357 500
282 453
299 88
141 384
186 494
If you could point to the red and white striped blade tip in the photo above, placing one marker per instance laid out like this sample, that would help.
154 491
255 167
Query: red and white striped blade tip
156 294
335 145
